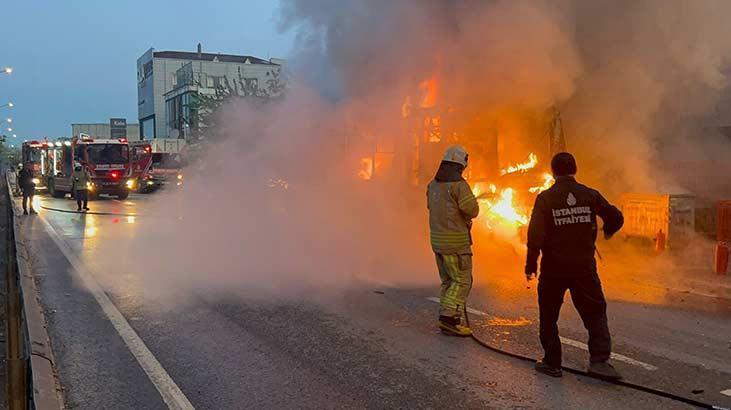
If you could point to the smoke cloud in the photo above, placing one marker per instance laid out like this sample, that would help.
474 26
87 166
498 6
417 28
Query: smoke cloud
277 209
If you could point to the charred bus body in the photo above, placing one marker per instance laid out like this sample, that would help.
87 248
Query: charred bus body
107 160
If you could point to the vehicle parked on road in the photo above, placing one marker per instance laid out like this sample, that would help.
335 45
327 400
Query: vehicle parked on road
34 153
140 160
107 160
166 170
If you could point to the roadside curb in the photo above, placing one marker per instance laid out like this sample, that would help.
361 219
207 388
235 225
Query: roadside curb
46 389
690 286
707 289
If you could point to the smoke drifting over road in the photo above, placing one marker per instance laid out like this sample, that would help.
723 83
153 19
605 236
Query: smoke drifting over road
279 210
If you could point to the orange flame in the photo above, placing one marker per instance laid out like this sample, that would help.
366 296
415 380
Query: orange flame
366 171
504 212
521 167
498 208
547 183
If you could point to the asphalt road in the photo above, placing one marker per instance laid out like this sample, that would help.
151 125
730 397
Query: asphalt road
373 347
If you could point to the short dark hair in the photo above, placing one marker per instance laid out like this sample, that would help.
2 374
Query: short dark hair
563 164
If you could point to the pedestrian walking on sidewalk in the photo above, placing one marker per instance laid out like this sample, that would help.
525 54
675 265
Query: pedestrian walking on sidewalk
452 206
563 228
25 180
81 187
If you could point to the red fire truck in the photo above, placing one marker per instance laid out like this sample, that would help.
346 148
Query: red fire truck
154 168
107 160
141 159
33 153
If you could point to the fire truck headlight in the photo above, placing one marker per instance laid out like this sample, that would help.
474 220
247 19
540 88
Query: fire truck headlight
36 181
180 176
131 183
150 183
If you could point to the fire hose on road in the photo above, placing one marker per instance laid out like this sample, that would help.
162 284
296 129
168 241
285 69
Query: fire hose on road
584 373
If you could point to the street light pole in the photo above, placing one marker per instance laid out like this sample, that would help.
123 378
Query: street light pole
8 70
9 105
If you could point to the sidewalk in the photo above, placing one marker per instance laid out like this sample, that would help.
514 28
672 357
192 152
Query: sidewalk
704 282
690 275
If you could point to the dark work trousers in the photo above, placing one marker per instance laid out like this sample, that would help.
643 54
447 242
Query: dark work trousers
28 194
81 198
588 298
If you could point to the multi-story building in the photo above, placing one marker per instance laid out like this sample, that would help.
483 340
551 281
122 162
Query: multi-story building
167 82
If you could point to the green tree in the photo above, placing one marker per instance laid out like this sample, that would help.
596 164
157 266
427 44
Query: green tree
206 107
8 156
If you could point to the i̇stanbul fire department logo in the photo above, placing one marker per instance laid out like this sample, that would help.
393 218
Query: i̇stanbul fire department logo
571 199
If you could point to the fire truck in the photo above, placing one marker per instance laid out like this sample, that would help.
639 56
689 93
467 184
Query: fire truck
141 160
156 166
33 153
107 160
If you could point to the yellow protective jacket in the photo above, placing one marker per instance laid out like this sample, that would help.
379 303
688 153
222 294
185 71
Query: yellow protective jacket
452 206
81 178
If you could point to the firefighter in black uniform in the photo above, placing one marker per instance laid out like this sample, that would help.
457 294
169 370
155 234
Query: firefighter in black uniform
563 228
25 181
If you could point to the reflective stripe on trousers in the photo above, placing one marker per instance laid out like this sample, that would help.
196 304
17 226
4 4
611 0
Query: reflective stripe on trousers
450 240
455 272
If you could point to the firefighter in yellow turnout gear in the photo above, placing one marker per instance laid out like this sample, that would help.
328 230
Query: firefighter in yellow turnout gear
452 206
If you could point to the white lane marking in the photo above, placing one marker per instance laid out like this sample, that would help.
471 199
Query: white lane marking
615 356
726 392
469 309
170 392
575 343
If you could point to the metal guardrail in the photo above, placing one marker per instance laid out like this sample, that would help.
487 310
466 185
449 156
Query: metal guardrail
32 382
17 356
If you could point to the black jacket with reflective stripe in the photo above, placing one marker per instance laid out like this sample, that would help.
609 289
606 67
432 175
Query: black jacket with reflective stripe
563 227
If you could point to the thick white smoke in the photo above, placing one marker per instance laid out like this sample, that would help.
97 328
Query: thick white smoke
636 82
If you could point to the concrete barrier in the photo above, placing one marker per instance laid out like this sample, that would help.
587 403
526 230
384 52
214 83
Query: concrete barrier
46 389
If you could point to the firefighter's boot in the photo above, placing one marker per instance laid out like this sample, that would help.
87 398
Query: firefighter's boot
452 326
604 370
544 368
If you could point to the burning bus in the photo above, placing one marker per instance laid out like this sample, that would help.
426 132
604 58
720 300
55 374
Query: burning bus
509 152
107 160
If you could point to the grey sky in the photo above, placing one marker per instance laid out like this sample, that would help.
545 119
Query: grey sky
75 60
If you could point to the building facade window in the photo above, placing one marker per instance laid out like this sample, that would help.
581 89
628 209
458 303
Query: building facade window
147 128
181 114
147 69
